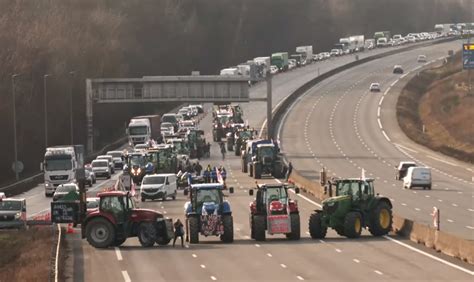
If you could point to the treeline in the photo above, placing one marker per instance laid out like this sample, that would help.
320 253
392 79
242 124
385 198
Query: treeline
132 38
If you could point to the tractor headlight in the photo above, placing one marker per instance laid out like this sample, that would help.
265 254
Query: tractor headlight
17 215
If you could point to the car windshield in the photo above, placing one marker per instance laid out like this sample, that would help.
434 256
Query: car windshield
276 194
58 163
100 164
208 195
170 118
6 205
104 158
154 180
66 188
137 130
245 134
266 151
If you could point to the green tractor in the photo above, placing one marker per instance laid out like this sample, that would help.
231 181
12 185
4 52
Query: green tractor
266 161
355 206
163 159
242 135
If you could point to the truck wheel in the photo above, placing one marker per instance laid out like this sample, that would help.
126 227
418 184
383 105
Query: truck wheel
100 233
162 241
259 227
352 225
250 169
228 222
295 227
193 230
316 228
381 220
147 234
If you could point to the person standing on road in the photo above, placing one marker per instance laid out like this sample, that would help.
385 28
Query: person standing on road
178 232
198 168
207 174
288 172
223 150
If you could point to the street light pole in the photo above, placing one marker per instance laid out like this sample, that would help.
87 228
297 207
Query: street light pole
15 149
45 111
72 73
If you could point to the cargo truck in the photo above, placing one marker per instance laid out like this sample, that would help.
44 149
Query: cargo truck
143 129
356 42
307 52
263 66
59 166
280 60
298 58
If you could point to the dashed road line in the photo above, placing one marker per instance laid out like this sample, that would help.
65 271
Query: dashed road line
118 254
378 272
213 278
356 260
126 277
300 278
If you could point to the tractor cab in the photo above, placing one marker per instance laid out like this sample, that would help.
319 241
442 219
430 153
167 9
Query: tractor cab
117 218
266 161
163 159
274 212
208 213
137 166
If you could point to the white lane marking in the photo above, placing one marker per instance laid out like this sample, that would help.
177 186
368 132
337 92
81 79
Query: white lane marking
283 265
322 241
380 124
56 263
410 247
403 204
469 169
406 148
450 220
393 83
381 100
126 277
378 272
269 255
118 253
257 245
300 278
440 160
203 266
338 250
213 278
386 91
455 205
386 136
403 76
378 112
194 255
469 227
430 256
471 210
356 260
417 209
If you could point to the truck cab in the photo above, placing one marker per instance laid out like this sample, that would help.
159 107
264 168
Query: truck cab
59 167
139 131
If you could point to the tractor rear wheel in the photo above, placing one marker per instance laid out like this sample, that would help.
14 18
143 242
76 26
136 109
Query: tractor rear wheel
381 220
147 234
340 230
162 241
228 222
250 169
193 230
243 164
352 225
295 227
100 233
259 227
316 228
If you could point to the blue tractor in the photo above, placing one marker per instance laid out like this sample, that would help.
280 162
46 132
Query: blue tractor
208 213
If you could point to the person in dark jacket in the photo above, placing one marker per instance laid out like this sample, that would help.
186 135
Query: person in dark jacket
207 174
198 168
178 232
288 172
214 175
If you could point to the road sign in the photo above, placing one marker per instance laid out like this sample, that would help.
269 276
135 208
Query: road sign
468 56
64 212
17 167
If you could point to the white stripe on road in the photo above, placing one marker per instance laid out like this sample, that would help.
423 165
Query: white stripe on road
406 148
440 160
386 136
380 124
126 278
118 253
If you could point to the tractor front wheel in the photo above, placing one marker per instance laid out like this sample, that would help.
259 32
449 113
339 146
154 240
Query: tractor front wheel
250 169
193 230
381 220
257 171
228 222
352 225
295 227
259 227
316 228
243 164
100 233
147 234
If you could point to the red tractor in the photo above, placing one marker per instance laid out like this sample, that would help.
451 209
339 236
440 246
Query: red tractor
117 219
274 212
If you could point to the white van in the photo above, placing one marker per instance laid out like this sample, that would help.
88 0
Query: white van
417 177
159 186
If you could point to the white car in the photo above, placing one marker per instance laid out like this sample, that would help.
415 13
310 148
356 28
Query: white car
291 64
273 69
417 177
167 129
159 186
141 147
2 195
421 59
335 52
374 87
110 159
101 168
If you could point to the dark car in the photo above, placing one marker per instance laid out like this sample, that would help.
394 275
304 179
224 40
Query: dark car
398 69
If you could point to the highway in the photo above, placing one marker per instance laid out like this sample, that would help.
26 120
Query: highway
342 126
367 258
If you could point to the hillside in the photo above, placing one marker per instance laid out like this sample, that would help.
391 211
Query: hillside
132 38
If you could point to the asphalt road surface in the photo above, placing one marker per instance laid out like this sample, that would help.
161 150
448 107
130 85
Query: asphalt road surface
342 126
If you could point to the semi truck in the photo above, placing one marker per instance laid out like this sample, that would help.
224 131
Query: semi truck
307 52
280 60
298 58
59 166
142 129
356 43
263 66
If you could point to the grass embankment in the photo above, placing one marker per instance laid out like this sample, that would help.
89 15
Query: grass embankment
26 255
439 99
